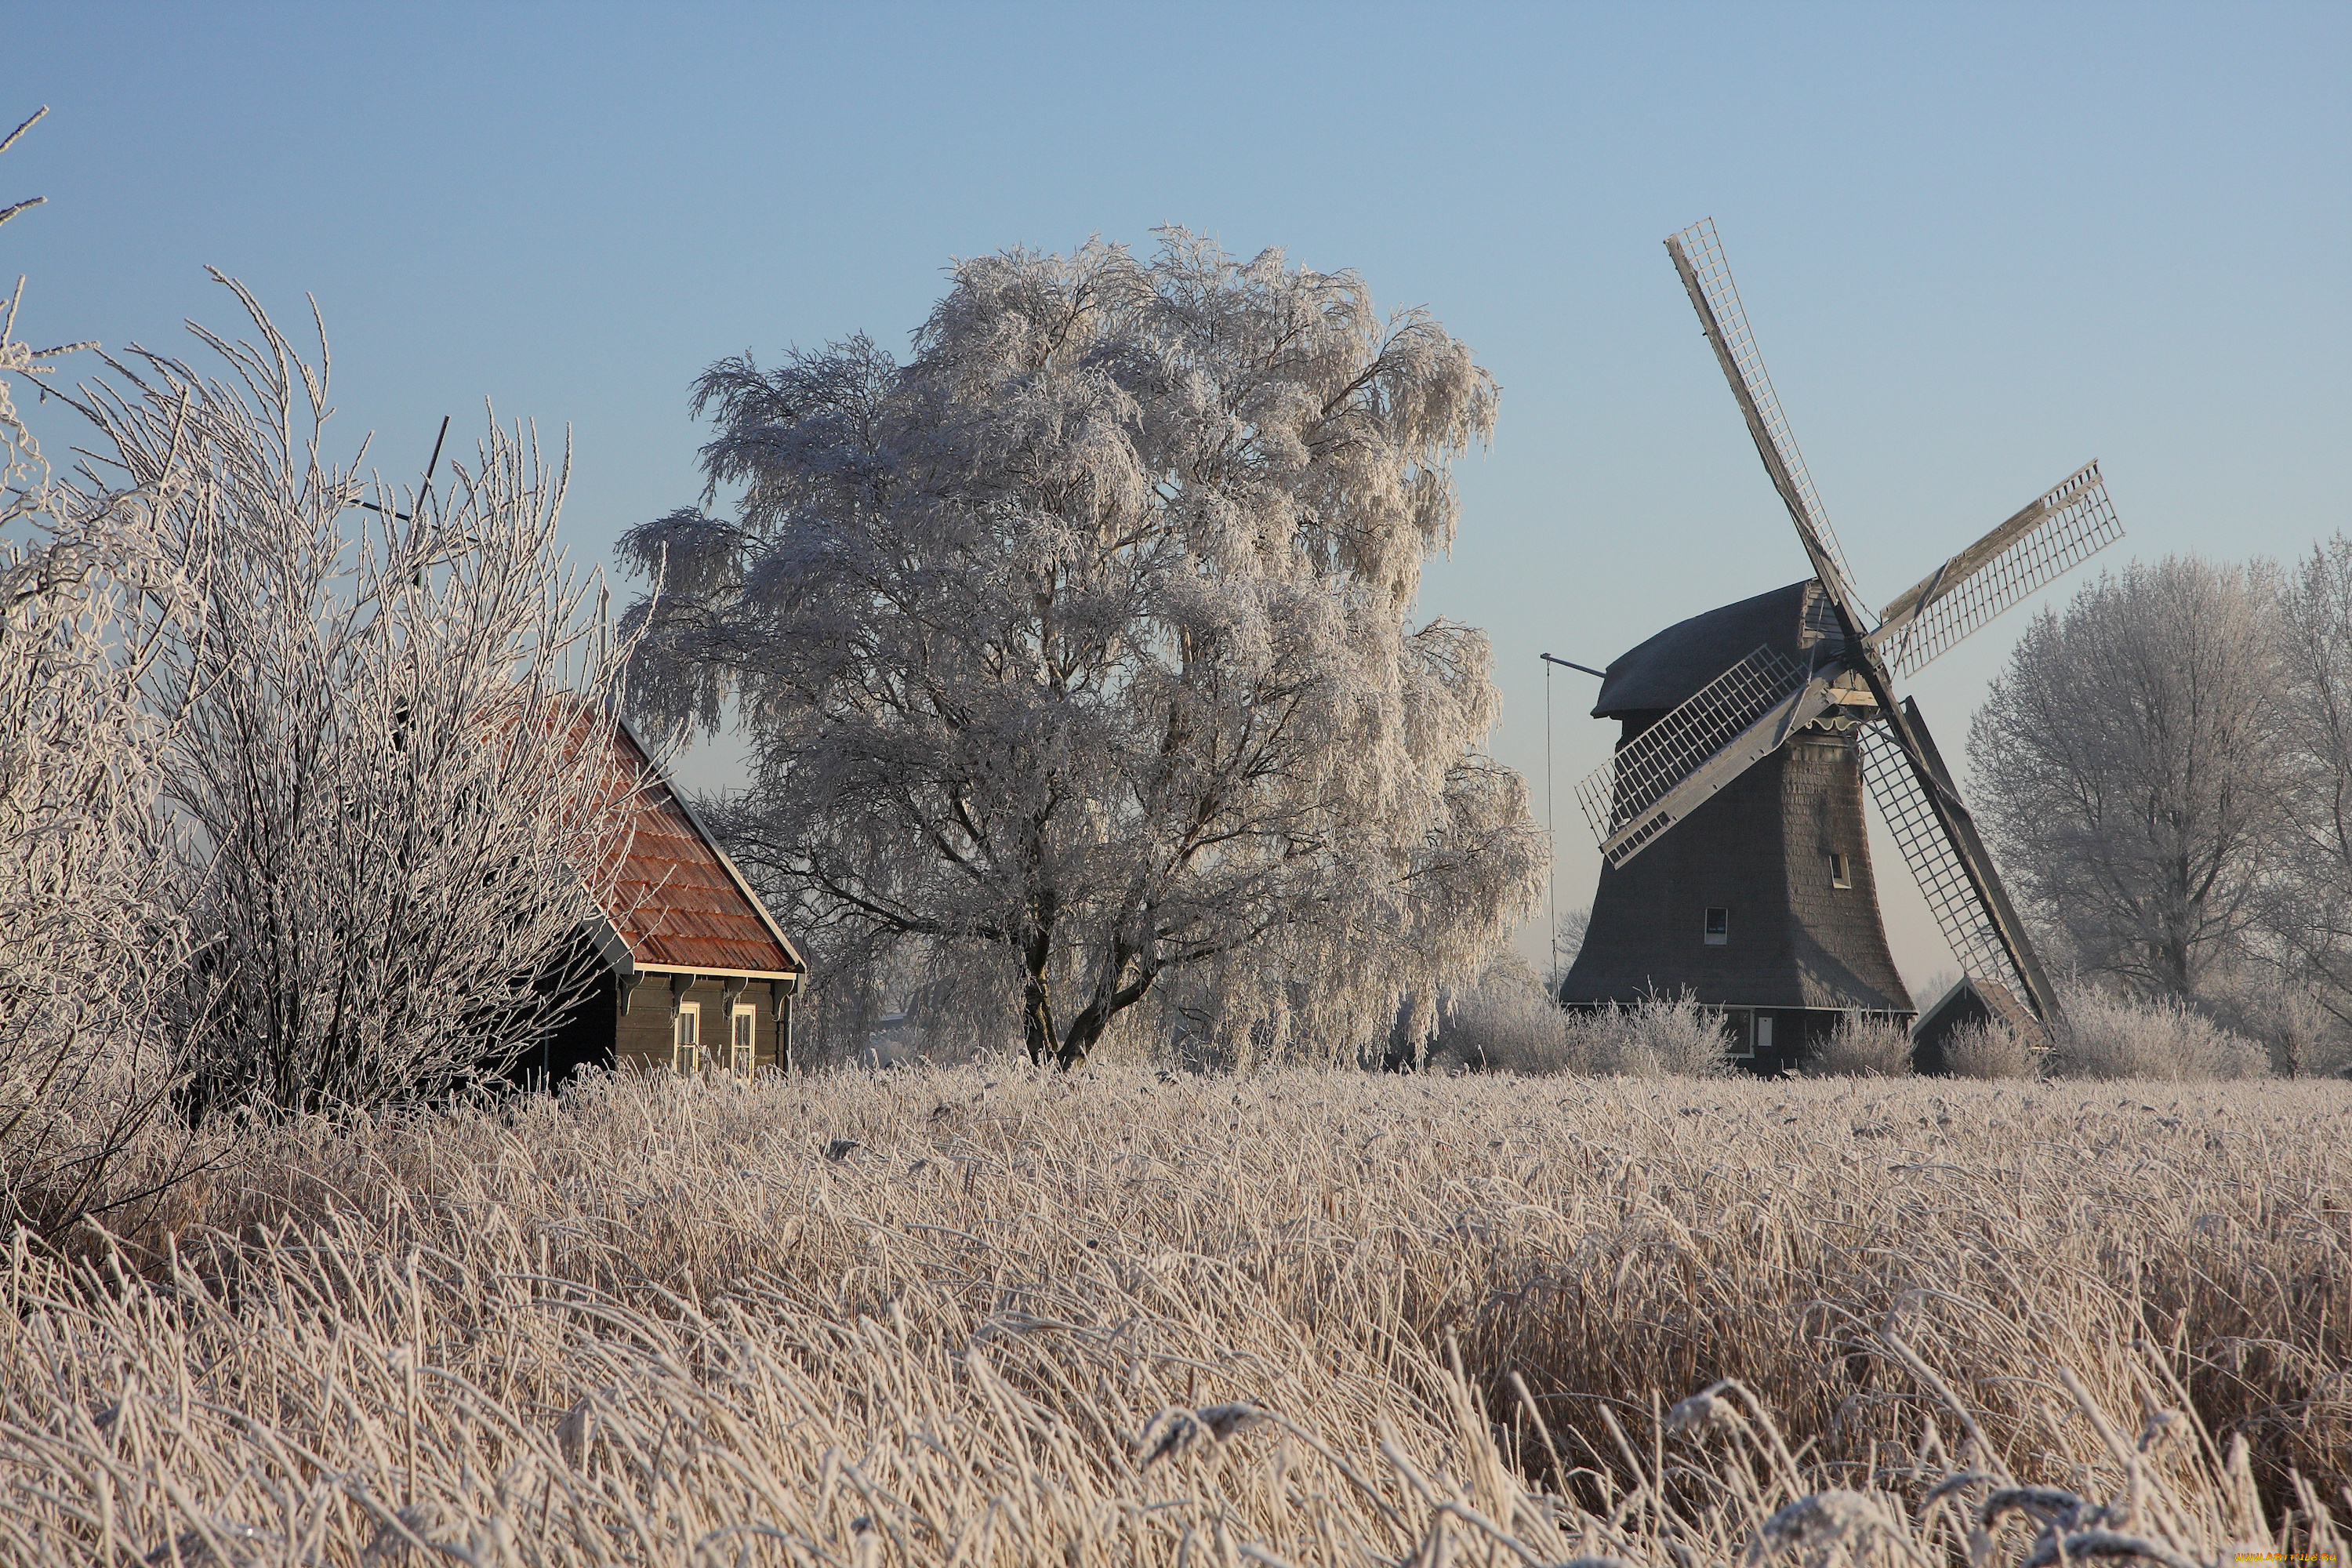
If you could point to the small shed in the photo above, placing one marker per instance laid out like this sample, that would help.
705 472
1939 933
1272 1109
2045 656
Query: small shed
1956 1009
683 969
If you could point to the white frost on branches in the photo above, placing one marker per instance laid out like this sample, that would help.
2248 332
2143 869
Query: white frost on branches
1077 653
397 806
2167 763
2313 915
88 592
2131 756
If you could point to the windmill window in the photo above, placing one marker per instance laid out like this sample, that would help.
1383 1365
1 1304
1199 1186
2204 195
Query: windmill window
1718 927
1841 871
685 1039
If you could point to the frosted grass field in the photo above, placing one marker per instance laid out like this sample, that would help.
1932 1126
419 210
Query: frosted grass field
992 1318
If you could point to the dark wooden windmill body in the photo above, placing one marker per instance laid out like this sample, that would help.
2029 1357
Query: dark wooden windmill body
1736 864
1762 902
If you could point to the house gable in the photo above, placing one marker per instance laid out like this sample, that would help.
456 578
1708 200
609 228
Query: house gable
678 904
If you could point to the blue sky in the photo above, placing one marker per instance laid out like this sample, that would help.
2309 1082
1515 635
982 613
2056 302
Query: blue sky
1979 245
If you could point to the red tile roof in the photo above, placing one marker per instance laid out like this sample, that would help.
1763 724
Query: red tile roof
677 902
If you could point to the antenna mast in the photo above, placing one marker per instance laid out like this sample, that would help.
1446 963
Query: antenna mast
1551 819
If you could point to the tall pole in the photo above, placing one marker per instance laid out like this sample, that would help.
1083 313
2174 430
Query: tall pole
1552 822
1551 826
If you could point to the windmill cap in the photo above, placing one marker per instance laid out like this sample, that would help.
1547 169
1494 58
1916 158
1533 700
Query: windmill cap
1661 672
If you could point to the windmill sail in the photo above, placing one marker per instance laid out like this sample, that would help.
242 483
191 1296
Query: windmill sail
1972 917
1842 676
1698 256
1669 770
2073 521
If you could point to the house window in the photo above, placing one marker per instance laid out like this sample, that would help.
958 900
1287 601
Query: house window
1741 1042
1718 927
742 1048
686 1040
1841 871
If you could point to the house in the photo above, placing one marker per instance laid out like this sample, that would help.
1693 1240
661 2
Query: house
682 969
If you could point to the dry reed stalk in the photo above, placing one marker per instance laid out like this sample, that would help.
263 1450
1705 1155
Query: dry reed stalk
655 1321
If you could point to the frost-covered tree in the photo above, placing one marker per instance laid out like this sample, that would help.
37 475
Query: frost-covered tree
1079 652
397 809
2312 916
88 940
2131 763
1567 940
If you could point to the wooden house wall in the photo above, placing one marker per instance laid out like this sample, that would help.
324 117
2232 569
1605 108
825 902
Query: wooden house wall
1797 1031
582 1035
585 1038
642 1036
595 1032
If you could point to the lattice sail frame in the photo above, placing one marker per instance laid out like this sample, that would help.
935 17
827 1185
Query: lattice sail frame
1935 866
1645 769
1705 253
2066 526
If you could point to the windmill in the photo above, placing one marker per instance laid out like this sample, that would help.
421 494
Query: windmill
1735 862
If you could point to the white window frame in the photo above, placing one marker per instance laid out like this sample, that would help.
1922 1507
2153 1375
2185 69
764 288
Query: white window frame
1841 870
1711 938
685 1039
742 1038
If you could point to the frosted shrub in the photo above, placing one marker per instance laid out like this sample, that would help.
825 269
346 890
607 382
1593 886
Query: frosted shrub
1507 1023
88 930
2285 1015
1861 1047
1658 1036
397 804
1673 1036
2305 1040
87 936
1988 1050
2107 1038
